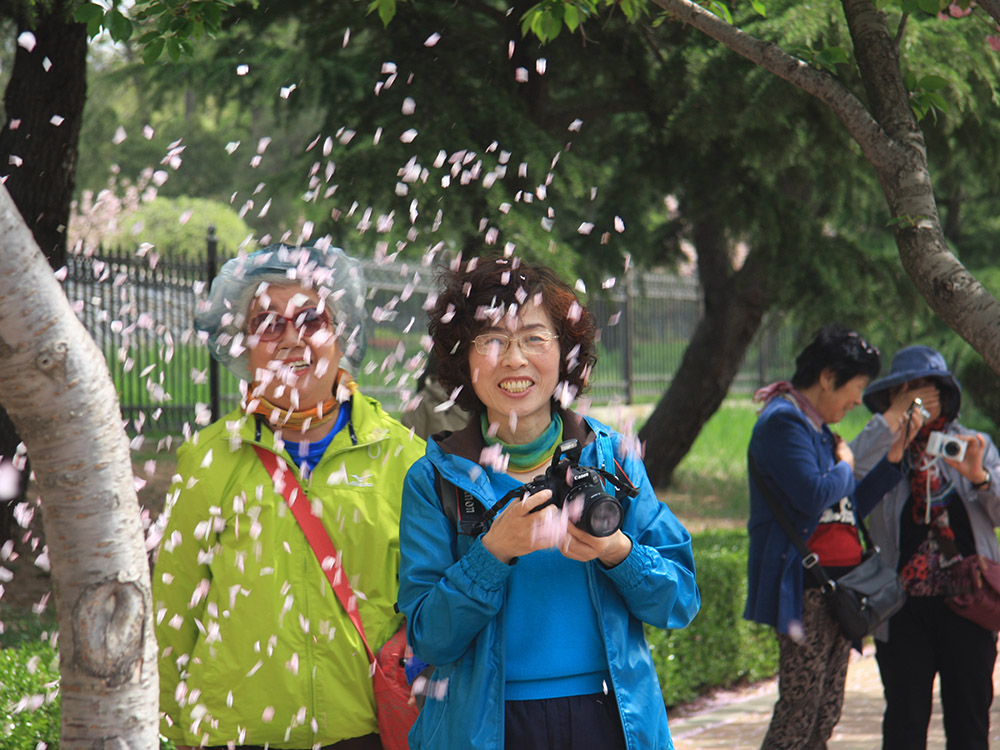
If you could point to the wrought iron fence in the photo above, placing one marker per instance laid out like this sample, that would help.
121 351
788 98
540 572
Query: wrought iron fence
139 311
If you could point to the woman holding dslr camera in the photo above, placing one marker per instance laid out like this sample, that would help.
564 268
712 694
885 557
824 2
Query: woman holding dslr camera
945 512
534 626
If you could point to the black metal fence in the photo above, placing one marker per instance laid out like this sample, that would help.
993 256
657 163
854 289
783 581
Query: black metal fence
139 310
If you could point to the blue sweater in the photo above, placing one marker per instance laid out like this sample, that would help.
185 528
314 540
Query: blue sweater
455 596
797 462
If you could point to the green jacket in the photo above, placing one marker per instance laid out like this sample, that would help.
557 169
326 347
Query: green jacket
254 646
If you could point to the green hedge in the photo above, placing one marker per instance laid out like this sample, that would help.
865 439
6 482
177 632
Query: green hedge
719 648
29 674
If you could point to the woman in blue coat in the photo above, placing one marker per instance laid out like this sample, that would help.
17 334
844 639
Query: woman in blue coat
534 625
809 470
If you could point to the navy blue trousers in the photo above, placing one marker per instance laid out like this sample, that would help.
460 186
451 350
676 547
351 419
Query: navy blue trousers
578 722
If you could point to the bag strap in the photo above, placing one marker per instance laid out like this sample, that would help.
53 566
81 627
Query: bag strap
810 560
316 534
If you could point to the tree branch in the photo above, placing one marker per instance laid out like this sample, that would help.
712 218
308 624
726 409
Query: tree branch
992 7
877 147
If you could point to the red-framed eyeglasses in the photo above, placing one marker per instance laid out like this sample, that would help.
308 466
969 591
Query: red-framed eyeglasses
270 325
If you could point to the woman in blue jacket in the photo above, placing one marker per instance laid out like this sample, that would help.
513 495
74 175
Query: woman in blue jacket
809 470
533 624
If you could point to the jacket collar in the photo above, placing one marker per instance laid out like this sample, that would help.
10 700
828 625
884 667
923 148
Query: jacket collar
468 442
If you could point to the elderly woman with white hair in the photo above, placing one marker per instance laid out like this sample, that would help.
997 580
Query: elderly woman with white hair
255 648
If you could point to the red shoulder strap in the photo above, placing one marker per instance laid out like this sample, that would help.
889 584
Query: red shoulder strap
322 546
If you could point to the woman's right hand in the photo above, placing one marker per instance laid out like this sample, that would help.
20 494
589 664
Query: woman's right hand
842 451
895 415
517 531
903 437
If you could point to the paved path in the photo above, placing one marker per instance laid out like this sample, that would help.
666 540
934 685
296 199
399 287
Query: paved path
740 724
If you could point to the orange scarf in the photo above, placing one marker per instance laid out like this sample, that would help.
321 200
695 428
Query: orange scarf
304 418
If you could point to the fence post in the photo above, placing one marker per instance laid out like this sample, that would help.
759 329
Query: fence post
627 363
211 268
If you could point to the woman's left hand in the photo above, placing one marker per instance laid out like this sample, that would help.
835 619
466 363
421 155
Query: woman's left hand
971 467
610 550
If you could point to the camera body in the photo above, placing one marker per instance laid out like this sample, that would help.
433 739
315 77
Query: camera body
601 514
918 405
943 444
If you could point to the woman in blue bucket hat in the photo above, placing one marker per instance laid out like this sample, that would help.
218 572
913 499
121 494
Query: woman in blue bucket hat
255 649
947 510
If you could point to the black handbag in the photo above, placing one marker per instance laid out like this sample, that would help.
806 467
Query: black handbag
861 599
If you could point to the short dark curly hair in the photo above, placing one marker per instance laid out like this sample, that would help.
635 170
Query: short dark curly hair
840 350
469 288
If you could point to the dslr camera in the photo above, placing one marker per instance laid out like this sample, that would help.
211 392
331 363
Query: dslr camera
601 514
949 446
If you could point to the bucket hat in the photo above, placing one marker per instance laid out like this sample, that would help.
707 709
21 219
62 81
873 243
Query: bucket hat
912 363
337 277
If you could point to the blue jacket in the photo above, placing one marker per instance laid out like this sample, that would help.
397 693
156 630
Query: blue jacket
452 591
797 461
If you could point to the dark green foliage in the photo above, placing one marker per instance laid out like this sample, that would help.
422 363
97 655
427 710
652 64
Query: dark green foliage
719 648
981 387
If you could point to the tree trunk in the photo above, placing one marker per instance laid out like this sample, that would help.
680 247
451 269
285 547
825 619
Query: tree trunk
40 139
56 387
735 304
39 144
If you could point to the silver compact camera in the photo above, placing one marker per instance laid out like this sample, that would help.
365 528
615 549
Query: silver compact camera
949 446
918 406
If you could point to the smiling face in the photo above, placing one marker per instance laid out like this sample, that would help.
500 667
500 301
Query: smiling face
516 388
298 369
834 403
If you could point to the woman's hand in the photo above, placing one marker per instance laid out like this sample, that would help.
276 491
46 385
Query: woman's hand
610 550
842 451
517 531
905 435
895 415
971 467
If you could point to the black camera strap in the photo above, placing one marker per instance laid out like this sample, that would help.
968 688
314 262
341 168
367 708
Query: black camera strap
464 509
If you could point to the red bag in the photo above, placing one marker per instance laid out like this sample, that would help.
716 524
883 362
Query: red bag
395 711
393 696
979 577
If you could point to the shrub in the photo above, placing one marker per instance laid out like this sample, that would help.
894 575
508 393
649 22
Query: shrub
29 695
159 223
719 648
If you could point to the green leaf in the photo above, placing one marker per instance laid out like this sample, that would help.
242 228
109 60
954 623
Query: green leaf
831 56
721 10
938 101
173 49
386 10
932 83
759 7
117 25
932 7
88 12
910 81
571 17
151 53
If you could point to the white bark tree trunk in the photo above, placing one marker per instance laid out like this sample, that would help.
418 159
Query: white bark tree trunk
56 387
891 140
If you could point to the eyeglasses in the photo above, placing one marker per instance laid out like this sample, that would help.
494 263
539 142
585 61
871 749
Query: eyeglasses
496 344
270 326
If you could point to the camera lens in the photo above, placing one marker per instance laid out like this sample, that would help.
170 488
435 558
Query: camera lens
603 517
952 448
